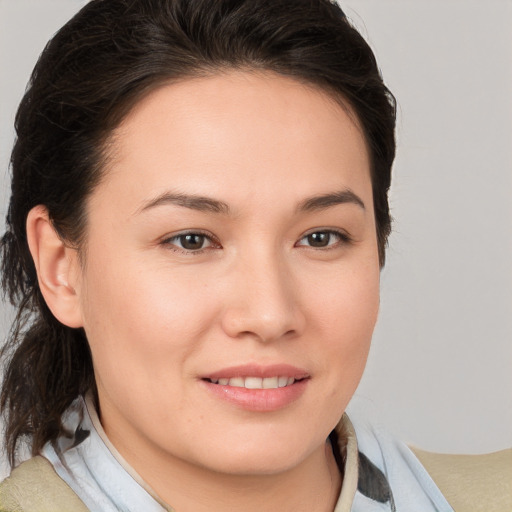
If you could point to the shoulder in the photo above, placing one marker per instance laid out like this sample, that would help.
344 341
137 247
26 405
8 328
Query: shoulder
410 487
472 482
462 483
35 487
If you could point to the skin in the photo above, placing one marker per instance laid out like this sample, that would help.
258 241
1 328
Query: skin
159 317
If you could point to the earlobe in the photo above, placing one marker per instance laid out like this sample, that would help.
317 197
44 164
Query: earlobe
57 268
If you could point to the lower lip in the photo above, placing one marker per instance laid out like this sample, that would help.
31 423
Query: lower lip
258 400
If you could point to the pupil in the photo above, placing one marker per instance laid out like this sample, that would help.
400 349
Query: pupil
320 239
192 241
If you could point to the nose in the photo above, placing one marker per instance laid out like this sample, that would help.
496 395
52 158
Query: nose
264 301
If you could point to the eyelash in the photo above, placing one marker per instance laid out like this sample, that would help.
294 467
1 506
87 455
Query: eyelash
342 236
171 242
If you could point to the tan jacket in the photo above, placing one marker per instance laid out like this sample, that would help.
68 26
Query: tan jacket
470 483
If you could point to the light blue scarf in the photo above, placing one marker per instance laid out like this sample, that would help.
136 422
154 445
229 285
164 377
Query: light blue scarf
380 474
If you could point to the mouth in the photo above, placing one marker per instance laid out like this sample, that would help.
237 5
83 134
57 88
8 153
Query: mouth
275 382
258 388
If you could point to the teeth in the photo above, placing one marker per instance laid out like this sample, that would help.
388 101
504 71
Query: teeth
256 382
282 381
237 382
270 382
253 383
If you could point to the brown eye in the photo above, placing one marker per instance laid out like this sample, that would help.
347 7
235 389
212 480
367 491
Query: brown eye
319 239
324 239
192 242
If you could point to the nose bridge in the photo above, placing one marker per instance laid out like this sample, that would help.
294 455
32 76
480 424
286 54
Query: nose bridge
264 301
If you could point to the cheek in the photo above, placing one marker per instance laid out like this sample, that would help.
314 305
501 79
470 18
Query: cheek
344 312
140 323
346 302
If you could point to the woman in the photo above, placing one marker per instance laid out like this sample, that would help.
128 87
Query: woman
197 223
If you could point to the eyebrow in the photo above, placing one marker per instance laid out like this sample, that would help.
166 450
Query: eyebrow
208 204
194 202
324 201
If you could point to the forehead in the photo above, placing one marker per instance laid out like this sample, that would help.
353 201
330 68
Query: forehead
271 131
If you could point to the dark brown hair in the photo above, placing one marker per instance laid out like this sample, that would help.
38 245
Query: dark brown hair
87 78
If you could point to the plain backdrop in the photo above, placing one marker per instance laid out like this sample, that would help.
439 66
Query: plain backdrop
440 369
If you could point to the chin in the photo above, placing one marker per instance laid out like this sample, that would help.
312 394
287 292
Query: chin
259 464
260 455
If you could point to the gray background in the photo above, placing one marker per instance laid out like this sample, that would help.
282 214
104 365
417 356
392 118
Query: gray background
440 369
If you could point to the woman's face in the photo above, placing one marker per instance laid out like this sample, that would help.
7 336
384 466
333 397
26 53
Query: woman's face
231 282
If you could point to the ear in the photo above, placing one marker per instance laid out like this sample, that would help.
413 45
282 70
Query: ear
57 266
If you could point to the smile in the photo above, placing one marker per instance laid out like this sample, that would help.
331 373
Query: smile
256 382
258 388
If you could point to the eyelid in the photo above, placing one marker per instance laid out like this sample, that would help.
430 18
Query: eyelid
343 238
166 241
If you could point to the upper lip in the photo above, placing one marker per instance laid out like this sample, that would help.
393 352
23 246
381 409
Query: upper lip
255 370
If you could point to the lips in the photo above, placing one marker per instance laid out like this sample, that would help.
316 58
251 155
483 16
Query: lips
256 382
254 376
258 388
